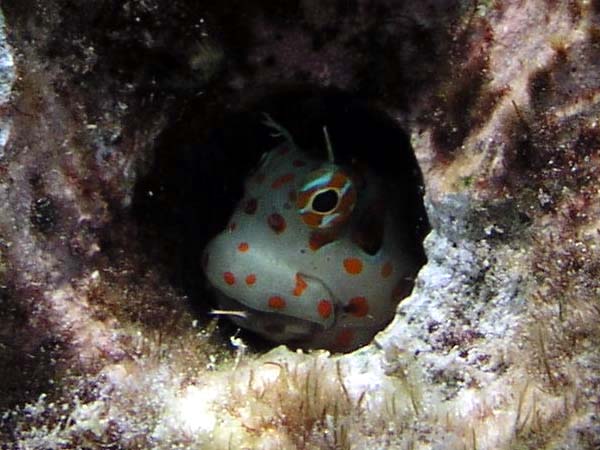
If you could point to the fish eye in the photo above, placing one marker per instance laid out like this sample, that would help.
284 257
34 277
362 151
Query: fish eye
325 201
326 198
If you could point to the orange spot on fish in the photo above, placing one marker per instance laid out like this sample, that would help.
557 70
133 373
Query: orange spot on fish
386 269
229 278
344 338
276 302
277 223
353 266
250 206
301 285
250 279
283 179
357 306
243 247
324 308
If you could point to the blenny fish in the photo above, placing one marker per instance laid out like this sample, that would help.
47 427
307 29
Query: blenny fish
313 254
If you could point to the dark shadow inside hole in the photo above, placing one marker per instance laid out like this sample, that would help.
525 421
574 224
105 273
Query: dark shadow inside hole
199 172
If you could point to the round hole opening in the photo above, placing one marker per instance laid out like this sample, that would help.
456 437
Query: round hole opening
198 182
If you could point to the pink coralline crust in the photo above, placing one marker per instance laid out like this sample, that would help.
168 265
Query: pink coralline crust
67 170
296 59
377 50
517 81
59 198
510 150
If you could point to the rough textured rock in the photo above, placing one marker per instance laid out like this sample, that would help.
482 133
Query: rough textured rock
105 340
7 78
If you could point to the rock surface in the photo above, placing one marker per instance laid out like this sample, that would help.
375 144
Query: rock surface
7 79
497 346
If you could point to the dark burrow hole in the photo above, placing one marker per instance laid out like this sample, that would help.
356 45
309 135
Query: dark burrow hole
201 163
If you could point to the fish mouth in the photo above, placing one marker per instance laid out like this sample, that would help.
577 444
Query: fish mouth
273 326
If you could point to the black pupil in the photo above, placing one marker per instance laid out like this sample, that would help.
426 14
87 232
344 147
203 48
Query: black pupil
325 201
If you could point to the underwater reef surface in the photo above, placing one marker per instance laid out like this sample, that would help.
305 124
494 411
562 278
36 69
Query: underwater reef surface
126 126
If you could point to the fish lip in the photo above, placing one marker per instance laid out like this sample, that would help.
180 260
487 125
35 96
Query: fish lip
258 321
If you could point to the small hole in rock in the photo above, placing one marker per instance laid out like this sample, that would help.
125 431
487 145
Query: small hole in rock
197 182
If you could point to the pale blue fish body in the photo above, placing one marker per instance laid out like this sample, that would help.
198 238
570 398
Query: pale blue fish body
312 255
